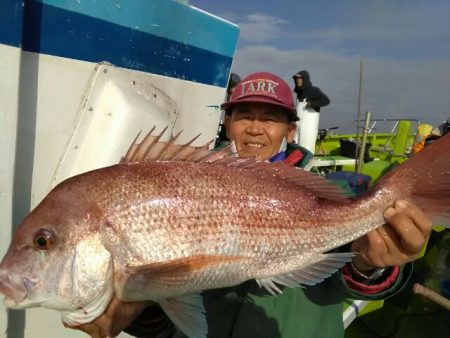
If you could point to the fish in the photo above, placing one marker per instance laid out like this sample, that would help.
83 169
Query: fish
171 220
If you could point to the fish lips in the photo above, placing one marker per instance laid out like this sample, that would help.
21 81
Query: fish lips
15 292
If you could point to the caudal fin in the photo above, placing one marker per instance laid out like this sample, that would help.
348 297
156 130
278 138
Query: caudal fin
426 176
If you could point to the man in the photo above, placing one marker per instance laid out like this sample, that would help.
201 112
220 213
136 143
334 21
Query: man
260 128
260 121
232 83
222 139
307 92
309 101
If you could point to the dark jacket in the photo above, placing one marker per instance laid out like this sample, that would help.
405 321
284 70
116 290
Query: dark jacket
313 95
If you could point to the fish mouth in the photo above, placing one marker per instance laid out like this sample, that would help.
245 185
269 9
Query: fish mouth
15 292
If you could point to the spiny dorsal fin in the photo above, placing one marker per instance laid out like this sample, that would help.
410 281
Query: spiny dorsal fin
152 149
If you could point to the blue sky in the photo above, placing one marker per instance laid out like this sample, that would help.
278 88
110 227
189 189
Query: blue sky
404 46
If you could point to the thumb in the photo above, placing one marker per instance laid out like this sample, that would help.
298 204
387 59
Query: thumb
360 245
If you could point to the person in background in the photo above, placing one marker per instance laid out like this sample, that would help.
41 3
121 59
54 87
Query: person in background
261 121
426 135
222 139
306 91
232 83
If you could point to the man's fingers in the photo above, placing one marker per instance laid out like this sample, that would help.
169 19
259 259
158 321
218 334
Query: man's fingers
393 243
416 215
88 328
397 242
101 327
411 235
117 316
381 247
372 248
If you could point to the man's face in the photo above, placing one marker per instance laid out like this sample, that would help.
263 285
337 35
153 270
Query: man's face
258 129
298 81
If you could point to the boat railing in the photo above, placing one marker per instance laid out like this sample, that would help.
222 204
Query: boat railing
389 145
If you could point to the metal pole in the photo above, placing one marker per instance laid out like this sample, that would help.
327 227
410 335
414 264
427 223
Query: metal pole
362 150
358 111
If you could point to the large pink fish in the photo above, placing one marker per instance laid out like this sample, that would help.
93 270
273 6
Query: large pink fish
170 221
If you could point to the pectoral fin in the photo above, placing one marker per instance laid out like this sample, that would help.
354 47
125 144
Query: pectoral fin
178 271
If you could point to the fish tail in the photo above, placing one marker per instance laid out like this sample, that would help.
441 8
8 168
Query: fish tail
425 178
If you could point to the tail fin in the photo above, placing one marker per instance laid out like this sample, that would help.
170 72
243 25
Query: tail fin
427 176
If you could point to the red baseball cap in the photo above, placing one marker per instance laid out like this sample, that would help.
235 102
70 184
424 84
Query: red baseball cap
263 87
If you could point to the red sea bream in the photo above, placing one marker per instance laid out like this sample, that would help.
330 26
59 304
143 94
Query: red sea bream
170 221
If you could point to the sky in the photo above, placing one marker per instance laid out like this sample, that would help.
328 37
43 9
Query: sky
402 45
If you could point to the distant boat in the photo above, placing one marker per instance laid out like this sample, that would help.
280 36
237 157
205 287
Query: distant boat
335 151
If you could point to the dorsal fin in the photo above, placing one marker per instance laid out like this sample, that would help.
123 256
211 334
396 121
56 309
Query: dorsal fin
316 185
152 149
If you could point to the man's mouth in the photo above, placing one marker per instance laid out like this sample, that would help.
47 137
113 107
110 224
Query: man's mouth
254 145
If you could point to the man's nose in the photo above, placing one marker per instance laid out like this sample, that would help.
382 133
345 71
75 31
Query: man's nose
255 127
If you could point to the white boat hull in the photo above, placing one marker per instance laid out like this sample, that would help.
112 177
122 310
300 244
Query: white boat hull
72 98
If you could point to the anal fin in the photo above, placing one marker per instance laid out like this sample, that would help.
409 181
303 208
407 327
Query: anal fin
323 266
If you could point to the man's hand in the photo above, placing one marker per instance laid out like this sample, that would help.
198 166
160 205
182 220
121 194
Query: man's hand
117 316
396 243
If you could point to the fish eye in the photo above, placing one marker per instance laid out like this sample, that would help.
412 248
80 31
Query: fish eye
44 239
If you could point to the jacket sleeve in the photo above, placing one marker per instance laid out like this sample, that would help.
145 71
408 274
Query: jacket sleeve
387 285
318 99
152 323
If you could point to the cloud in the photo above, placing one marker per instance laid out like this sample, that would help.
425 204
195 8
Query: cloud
384 28
259 27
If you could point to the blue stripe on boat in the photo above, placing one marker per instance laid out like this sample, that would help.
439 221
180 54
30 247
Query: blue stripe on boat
164 18
11 22
66 33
